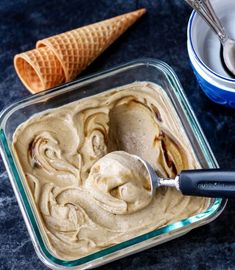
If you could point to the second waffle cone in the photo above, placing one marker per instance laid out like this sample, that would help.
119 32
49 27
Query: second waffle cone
61 58
39 69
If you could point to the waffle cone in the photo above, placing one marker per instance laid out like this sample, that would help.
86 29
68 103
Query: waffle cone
76 49
61 58
39 69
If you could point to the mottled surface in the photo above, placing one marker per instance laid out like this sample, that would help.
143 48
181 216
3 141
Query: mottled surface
160 34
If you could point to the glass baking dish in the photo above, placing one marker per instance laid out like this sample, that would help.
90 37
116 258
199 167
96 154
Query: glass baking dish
140 70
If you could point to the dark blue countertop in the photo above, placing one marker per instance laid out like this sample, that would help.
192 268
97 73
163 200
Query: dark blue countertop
160 34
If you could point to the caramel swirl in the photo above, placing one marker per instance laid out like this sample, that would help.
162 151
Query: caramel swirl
44 154
87 197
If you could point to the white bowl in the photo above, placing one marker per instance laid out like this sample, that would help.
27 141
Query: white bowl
204 53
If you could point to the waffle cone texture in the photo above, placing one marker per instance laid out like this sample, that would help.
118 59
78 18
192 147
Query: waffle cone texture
62 57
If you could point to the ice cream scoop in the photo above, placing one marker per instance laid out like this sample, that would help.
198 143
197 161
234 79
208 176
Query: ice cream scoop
206 11
205 182
123 182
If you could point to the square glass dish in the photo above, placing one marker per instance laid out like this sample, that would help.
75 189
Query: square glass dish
149 70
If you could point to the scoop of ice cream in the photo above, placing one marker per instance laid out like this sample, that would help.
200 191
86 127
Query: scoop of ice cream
120 183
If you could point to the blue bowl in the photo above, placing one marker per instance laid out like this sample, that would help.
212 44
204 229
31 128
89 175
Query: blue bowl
214 93
204 53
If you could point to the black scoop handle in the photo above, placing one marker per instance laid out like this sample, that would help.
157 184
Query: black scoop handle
208 183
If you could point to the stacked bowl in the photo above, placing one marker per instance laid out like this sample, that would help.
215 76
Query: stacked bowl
204 53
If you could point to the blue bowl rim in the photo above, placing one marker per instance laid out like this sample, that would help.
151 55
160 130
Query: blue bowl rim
190 25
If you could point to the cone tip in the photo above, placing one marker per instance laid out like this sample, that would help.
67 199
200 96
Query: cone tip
140 11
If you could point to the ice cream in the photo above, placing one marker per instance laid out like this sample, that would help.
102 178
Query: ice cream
119 183
87 198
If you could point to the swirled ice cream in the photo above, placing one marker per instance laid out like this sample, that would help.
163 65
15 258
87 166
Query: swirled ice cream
86 200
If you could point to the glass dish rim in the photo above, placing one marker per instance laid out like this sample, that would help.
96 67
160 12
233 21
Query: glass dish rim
204 217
